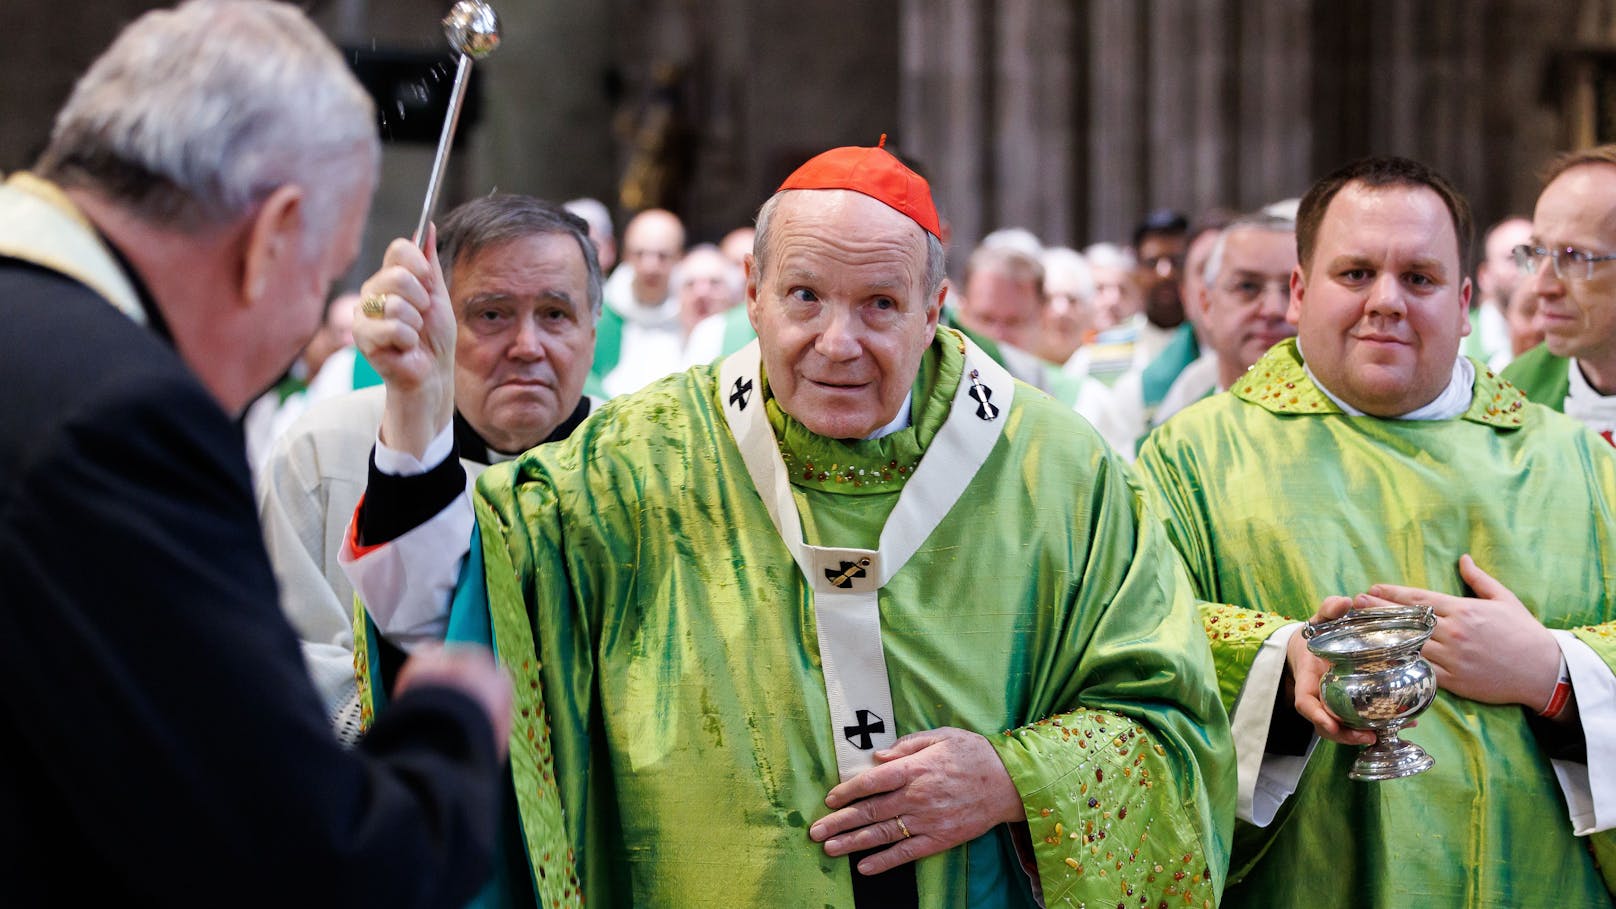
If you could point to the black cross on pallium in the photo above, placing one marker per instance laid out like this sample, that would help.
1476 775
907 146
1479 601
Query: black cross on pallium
741 393
844 576
868 724
983 396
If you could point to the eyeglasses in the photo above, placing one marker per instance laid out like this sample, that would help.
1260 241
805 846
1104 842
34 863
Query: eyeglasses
1570 264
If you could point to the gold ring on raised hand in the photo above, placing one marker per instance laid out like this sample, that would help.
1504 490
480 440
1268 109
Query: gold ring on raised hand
374 305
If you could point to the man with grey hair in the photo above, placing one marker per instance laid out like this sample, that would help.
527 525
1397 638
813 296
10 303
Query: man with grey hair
524 291
709 287
1243 302
206 180
1139 391
1068 318
707 284
832 571
1004 295
1004 302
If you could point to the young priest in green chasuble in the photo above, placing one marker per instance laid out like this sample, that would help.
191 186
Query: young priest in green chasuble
1367 460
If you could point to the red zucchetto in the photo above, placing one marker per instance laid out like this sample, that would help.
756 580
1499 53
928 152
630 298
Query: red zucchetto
876 173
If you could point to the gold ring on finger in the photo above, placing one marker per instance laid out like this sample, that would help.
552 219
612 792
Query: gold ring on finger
902 827
374 305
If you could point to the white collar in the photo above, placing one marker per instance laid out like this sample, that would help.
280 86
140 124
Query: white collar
1584 403
619 295
901 421
1450 404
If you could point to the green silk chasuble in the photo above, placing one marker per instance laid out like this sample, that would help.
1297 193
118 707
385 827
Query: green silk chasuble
1277 499
672 741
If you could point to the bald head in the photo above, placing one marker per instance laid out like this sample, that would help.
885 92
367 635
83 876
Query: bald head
651 245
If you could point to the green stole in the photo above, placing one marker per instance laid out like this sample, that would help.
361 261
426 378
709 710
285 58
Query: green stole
364 374
608 351
1063 387
1158 377
608 341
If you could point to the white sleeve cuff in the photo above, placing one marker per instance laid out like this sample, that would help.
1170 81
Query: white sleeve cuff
1590 789
1265 780
403 464
407 584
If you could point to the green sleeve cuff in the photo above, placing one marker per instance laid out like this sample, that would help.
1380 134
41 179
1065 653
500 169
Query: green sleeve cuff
1236 634
1109 818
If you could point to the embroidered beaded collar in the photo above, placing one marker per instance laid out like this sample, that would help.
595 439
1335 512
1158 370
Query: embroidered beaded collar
1278 383
869 466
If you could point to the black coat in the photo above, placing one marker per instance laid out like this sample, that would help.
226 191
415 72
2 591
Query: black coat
158 732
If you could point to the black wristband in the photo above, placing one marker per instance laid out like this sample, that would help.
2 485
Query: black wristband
395 505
